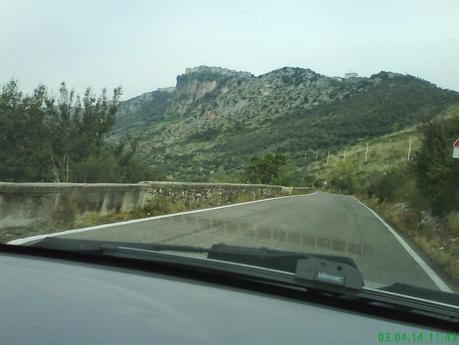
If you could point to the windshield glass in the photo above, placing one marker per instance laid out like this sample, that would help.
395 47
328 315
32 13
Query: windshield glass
318 128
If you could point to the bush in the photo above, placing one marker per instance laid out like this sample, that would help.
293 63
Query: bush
343 178
114 163
386 185
453 223
436 172
267 169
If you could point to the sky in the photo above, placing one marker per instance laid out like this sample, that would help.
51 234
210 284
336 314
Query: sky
144 45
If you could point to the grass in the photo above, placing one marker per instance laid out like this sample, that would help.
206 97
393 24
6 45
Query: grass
383 153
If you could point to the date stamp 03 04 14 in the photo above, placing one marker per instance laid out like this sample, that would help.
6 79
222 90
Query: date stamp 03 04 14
418 337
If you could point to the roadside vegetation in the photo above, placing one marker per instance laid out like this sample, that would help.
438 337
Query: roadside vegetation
269 168
64 138
420 196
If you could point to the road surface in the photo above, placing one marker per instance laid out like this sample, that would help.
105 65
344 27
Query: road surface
319 223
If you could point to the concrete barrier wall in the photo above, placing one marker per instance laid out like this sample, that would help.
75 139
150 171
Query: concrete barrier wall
22 204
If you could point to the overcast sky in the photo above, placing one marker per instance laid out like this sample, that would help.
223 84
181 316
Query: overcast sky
143 45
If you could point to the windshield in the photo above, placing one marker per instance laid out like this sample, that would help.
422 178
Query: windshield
304 127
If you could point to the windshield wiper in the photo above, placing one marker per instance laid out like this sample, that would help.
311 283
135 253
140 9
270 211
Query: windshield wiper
317 275
328 269
99 247
313 268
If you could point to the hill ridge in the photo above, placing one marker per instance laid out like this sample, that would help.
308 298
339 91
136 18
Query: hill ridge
215 119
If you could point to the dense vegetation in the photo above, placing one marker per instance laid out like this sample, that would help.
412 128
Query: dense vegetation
63 139
435 171
269 168
428 180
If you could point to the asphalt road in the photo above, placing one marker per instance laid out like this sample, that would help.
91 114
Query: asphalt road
319 223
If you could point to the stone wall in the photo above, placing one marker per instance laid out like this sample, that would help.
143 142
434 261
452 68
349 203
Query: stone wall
22 204
214 194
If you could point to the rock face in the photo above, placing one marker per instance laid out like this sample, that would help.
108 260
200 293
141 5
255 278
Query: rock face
200 81
215 119
189 90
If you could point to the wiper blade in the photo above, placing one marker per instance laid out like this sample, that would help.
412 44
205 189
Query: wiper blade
95 247
328 269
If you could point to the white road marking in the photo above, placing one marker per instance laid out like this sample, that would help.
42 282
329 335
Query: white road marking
25 240
431 273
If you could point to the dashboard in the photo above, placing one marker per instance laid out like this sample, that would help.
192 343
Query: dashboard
54 301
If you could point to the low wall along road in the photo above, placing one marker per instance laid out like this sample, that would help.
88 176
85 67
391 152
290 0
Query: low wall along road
28 208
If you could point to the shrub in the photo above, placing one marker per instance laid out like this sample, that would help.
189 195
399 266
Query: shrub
436 173
343 178
267 169
386 185
453 223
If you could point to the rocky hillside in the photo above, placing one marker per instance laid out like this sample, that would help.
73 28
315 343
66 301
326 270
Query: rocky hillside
215 119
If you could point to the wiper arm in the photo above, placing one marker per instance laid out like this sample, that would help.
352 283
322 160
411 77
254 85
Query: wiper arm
330 269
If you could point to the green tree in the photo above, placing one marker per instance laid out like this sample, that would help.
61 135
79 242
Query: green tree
64 139
23 146
436 171
114 162
78 128
266 169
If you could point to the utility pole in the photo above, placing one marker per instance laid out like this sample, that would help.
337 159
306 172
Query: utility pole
328 156
366 153
345 148
409 150
316 155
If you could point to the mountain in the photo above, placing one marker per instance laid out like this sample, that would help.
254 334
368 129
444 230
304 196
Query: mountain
214 119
